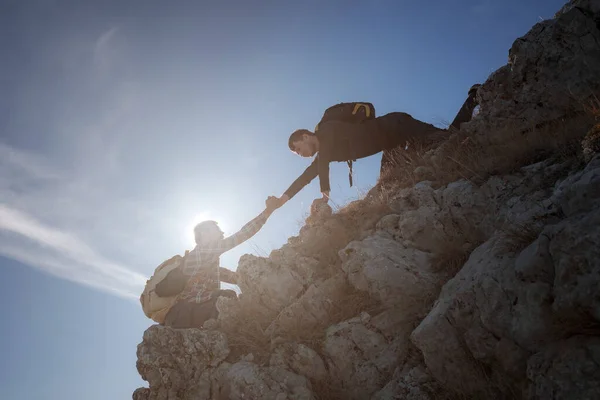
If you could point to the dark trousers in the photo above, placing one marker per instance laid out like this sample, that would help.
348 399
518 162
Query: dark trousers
466 112
407 131
185 314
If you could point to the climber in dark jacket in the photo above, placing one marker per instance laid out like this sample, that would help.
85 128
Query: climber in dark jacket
343 141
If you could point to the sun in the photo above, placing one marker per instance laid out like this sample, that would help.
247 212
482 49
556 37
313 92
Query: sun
200 217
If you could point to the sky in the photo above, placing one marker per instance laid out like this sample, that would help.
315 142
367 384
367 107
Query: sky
124 123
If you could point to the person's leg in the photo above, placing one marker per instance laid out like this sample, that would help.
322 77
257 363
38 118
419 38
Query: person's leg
466 111
203 312
398 131
179 316
403 132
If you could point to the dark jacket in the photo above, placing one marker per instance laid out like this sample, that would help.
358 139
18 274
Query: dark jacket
342 141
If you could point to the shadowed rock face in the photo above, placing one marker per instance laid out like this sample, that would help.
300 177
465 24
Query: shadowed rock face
551 72
486 289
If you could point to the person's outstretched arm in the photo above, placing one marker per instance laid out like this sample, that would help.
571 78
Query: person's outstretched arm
247 231
307 176
324 178
228 275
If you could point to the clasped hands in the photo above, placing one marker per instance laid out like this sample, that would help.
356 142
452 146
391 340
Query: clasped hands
273 202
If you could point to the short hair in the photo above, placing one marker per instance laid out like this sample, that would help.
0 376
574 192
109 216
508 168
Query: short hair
297 136
198 229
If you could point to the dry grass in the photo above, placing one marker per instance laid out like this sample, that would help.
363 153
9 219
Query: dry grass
246 331
328 390
591 143
575 322
368 209
451 259
592 106
518 237
477 157
351 304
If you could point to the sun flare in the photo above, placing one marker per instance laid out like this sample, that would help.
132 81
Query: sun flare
200 217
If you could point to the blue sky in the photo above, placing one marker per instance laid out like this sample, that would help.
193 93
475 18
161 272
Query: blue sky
124 123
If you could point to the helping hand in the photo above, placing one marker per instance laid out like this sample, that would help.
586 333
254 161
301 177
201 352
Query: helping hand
272 203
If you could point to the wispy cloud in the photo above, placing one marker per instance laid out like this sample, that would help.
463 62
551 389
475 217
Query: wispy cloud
49 205
64 255
26 163
104 49
87 208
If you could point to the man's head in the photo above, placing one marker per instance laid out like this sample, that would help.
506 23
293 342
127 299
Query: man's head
207 231
304 143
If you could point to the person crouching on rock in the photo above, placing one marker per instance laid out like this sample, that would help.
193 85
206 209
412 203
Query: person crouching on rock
198 279
341 141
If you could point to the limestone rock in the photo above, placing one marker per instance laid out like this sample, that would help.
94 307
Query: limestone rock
392 272
576 255
566 370
591 5
300 359
229 310
360 357
410 383
177 362
591 143
430 219
141 394
274 282
312 310
319 210
472 312
551 68
524 198
323 240
580 191
246 380
502 307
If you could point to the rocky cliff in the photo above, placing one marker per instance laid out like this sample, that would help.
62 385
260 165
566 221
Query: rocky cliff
472 271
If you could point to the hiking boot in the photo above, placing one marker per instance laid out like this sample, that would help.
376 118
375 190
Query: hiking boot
466 111
473 90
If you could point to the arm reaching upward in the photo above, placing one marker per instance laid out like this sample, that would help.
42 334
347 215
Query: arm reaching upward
247 231
228 275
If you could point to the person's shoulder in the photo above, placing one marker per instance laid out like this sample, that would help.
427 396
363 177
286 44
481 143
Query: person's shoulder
330 130
330 126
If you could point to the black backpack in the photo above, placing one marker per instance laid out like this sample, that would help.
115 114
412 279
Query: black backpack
348 112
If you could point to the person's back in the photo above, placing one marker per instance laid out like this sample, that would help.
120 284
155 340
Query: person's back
203 271
343 141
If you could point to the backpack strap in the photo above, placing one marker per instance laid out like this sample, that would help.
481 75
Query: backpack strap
365 106
350 171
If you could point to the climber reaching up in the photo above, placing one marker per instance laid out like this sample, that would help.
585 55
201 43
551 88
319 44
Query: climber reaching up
350 131
193 286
